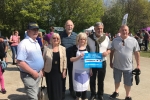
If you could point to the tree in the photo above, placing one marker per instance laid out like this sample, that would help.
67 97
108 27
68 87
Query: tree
113 17
137 15
17 13
84 13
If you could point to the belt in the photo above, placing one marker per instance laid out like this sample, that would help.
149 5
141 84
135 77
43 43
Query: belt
26 72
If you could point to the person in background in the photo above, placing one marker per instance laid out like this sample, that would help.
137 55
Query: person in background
68 40
139 38
30 61
14 39
25 34
79 72
6 41
121 60
48 36
87 33
3 48
146 39
55 67
98 42
40 39
2 55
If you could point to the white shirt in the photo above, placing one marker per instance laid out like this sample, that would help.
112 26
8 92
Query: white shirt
106 44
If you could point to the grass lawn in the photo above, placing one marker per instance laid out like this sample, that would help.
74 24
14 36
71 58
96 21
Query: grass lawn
145 54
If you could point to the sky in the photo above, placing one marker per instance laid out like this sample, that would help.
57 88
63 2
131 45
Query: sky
108 2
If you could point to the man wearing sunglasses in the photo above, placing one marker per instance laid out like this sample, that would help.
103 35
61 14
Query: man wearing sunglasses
121 60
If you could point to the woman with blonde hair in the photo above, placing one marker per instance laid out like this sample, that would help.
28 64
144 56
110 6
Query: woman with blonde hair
81 75
54 67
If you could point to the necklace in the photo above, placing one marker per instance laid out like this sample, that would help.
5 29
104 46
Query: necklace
55 62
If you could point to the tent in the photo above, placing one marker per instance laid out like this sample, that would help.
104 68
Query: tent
41 30
90 29
147 28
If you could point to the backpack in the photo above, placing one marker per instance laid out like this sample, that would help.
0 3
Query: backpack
3 64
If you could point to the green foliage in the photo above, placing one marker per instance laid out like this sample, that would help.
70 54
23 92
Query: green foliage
112 18
16 14
138 16
84 13
138 13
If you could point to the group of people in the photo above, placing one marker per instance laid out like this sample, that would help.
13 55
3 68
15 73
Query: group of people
64 53
143 38
4 45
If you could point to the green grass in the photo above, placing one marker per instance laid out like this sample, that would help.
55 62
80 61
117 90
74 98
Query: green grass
145 54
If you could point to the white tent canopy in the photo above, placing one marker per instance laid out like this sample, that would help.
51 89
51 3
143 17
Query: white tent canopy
90 29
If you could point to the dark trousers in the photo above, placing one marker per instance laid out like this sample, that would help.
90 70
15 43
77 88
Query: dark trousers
146 44
70 67
81 94
140 45
101 76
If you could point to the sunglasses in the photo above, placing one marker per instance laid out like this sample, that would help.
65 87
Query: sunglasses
82 39
123 42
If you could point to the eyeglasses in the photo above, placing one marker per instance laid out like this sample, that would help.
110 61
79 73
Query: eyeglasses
56 38
82 39
123 42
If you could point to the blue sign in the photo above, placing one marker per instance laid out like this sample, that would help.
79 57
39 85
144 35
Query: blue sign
93 60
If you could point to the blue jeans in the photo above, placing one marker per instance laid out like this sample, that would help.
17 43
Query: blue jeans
14 52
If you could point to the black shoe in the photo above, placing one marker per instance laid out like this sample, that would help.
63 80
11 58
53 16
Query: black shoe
3 91
63 95
128 98
100 97
73 94
114 95
14 63
93 97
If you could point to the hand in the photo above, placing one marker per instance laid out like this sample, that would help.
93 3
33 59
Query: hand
64 74
82 54
41 73
138 67
91 73
105 54
111 65
35 74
